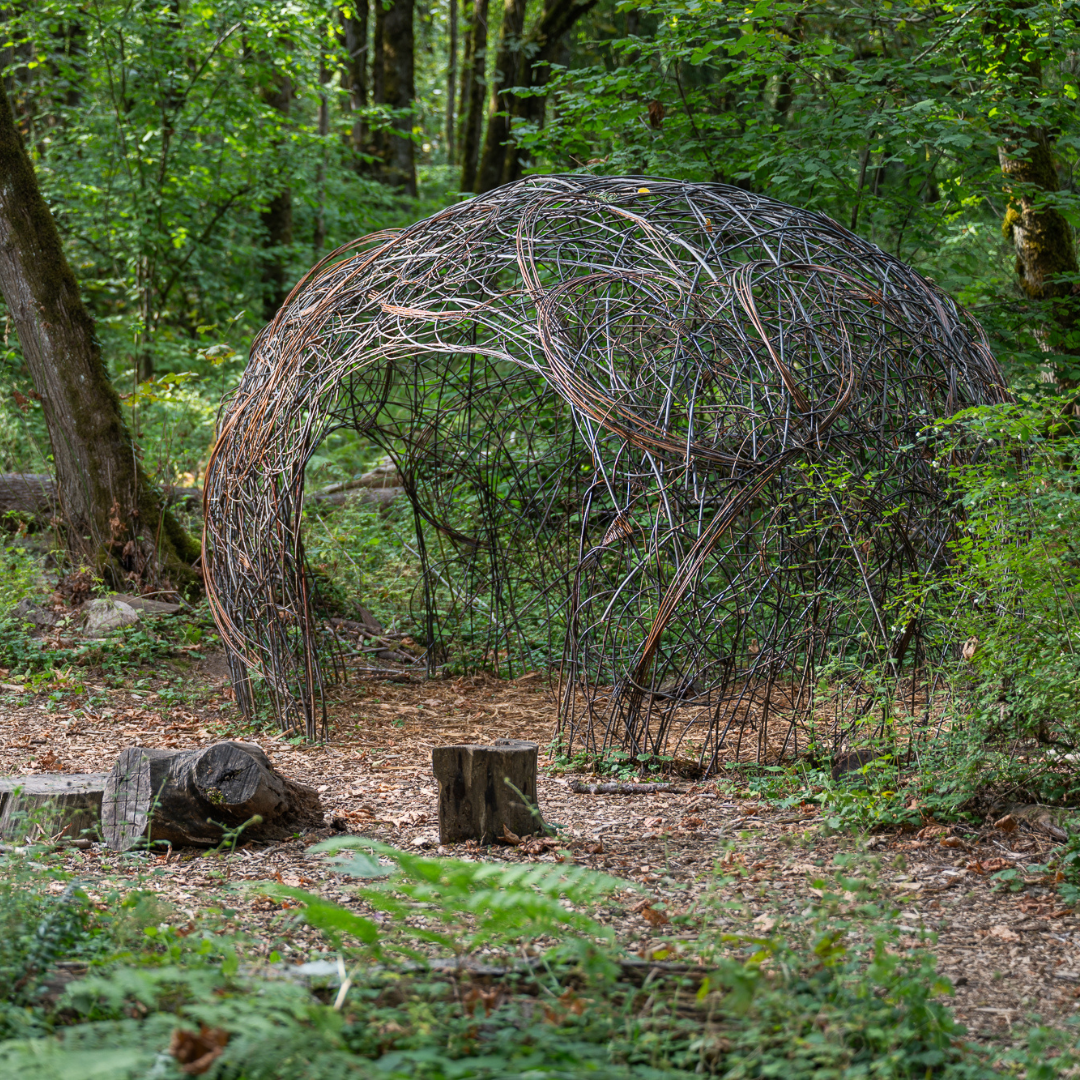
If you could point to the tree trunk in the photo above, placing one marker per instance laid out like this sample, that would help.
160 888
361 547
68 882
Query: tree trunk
451 82
1041 236
318 238
490 172
473 86
113 519
277 218
524 64
393 86
195 796
354 78
485 790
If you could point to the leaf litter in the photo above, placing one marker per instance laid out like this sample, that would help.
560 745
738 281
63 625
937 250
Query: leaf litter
1009 954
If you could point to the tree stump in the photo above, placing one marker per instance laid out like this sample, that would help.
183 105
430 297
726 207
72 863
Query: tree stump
194 796
476 799
66 804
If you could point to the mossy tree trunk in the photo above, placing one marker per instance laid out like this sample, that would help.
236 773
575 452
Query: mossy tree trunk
1046 262
114 520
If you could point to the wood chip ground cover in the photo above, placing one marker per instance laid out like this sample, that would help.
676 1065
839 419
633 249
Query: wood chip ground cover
1011 956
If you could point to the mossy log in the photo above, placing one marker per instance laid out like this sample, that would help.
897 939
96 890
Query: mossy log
51 805
486 790
193 797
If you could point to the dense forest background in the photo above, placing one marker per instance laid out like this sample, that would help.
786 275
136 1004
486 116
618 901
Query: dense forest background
198 157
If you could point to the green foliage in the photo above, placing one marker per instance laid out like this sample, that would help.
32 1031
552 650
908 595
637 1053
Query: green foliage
479 905
1010 592
823 993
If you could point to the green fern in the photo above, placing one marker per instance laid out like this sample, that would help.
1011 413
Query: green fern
466 905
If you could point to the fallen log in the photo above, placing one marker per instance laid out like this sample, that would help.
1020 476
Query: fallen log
35 493
52 805
194 797
623 788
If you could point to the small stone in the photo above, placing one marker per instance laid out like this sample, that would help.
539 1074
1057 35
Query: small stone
31 611
105 615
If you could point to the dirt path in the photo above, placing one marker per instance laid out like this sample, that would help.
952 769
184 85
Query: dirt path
1010 955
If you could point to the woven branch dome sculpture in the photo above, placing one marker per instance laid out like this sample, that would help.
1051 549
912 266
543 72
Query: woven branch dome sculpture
664 436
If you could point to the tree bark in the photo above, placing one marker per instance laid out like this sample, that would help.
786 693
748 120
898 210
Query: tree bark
277 218
451 82
114 520
1040 233
318 238
522 64
503 78
354 28
194 796
473 88
393 86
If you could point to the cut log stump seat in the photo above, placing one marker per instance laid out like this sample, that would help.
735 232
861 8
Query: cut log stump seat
63 804
194 796
477 796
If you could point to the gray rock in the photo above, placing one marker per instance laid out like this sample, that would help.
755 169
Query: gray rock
145 605
32 612
105 615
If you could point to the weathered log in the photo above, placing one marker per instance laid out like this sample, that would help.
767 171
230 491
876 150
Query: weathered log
35 493
62 804
486 789
194 796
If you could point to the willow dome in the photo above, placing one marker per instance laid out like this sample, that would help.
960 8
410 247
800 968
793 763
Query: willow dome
667 437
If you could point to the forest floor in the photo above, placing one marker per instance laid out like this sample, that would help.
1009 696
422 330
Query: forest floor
1011 956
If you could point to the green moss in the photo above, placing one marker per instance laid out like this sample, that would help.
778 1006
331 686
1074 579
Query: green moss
1012 216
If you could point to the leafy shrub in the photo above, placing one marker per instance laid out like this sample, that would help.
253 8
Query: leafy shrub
824 993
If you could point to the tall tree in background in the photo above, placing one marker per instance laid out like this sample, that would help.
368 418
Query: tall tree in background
277 218
451 80
394 86
473 93
490 170
1046 263
522 63
113 519
354 33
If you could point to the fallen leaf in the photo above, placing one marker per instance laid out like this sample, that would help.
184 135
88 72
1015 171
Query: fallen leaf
1003 933
931 831
764 923
992 866
654 917
976 867
49 760
1007 824
653 822
538 845
195 1053
596 848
